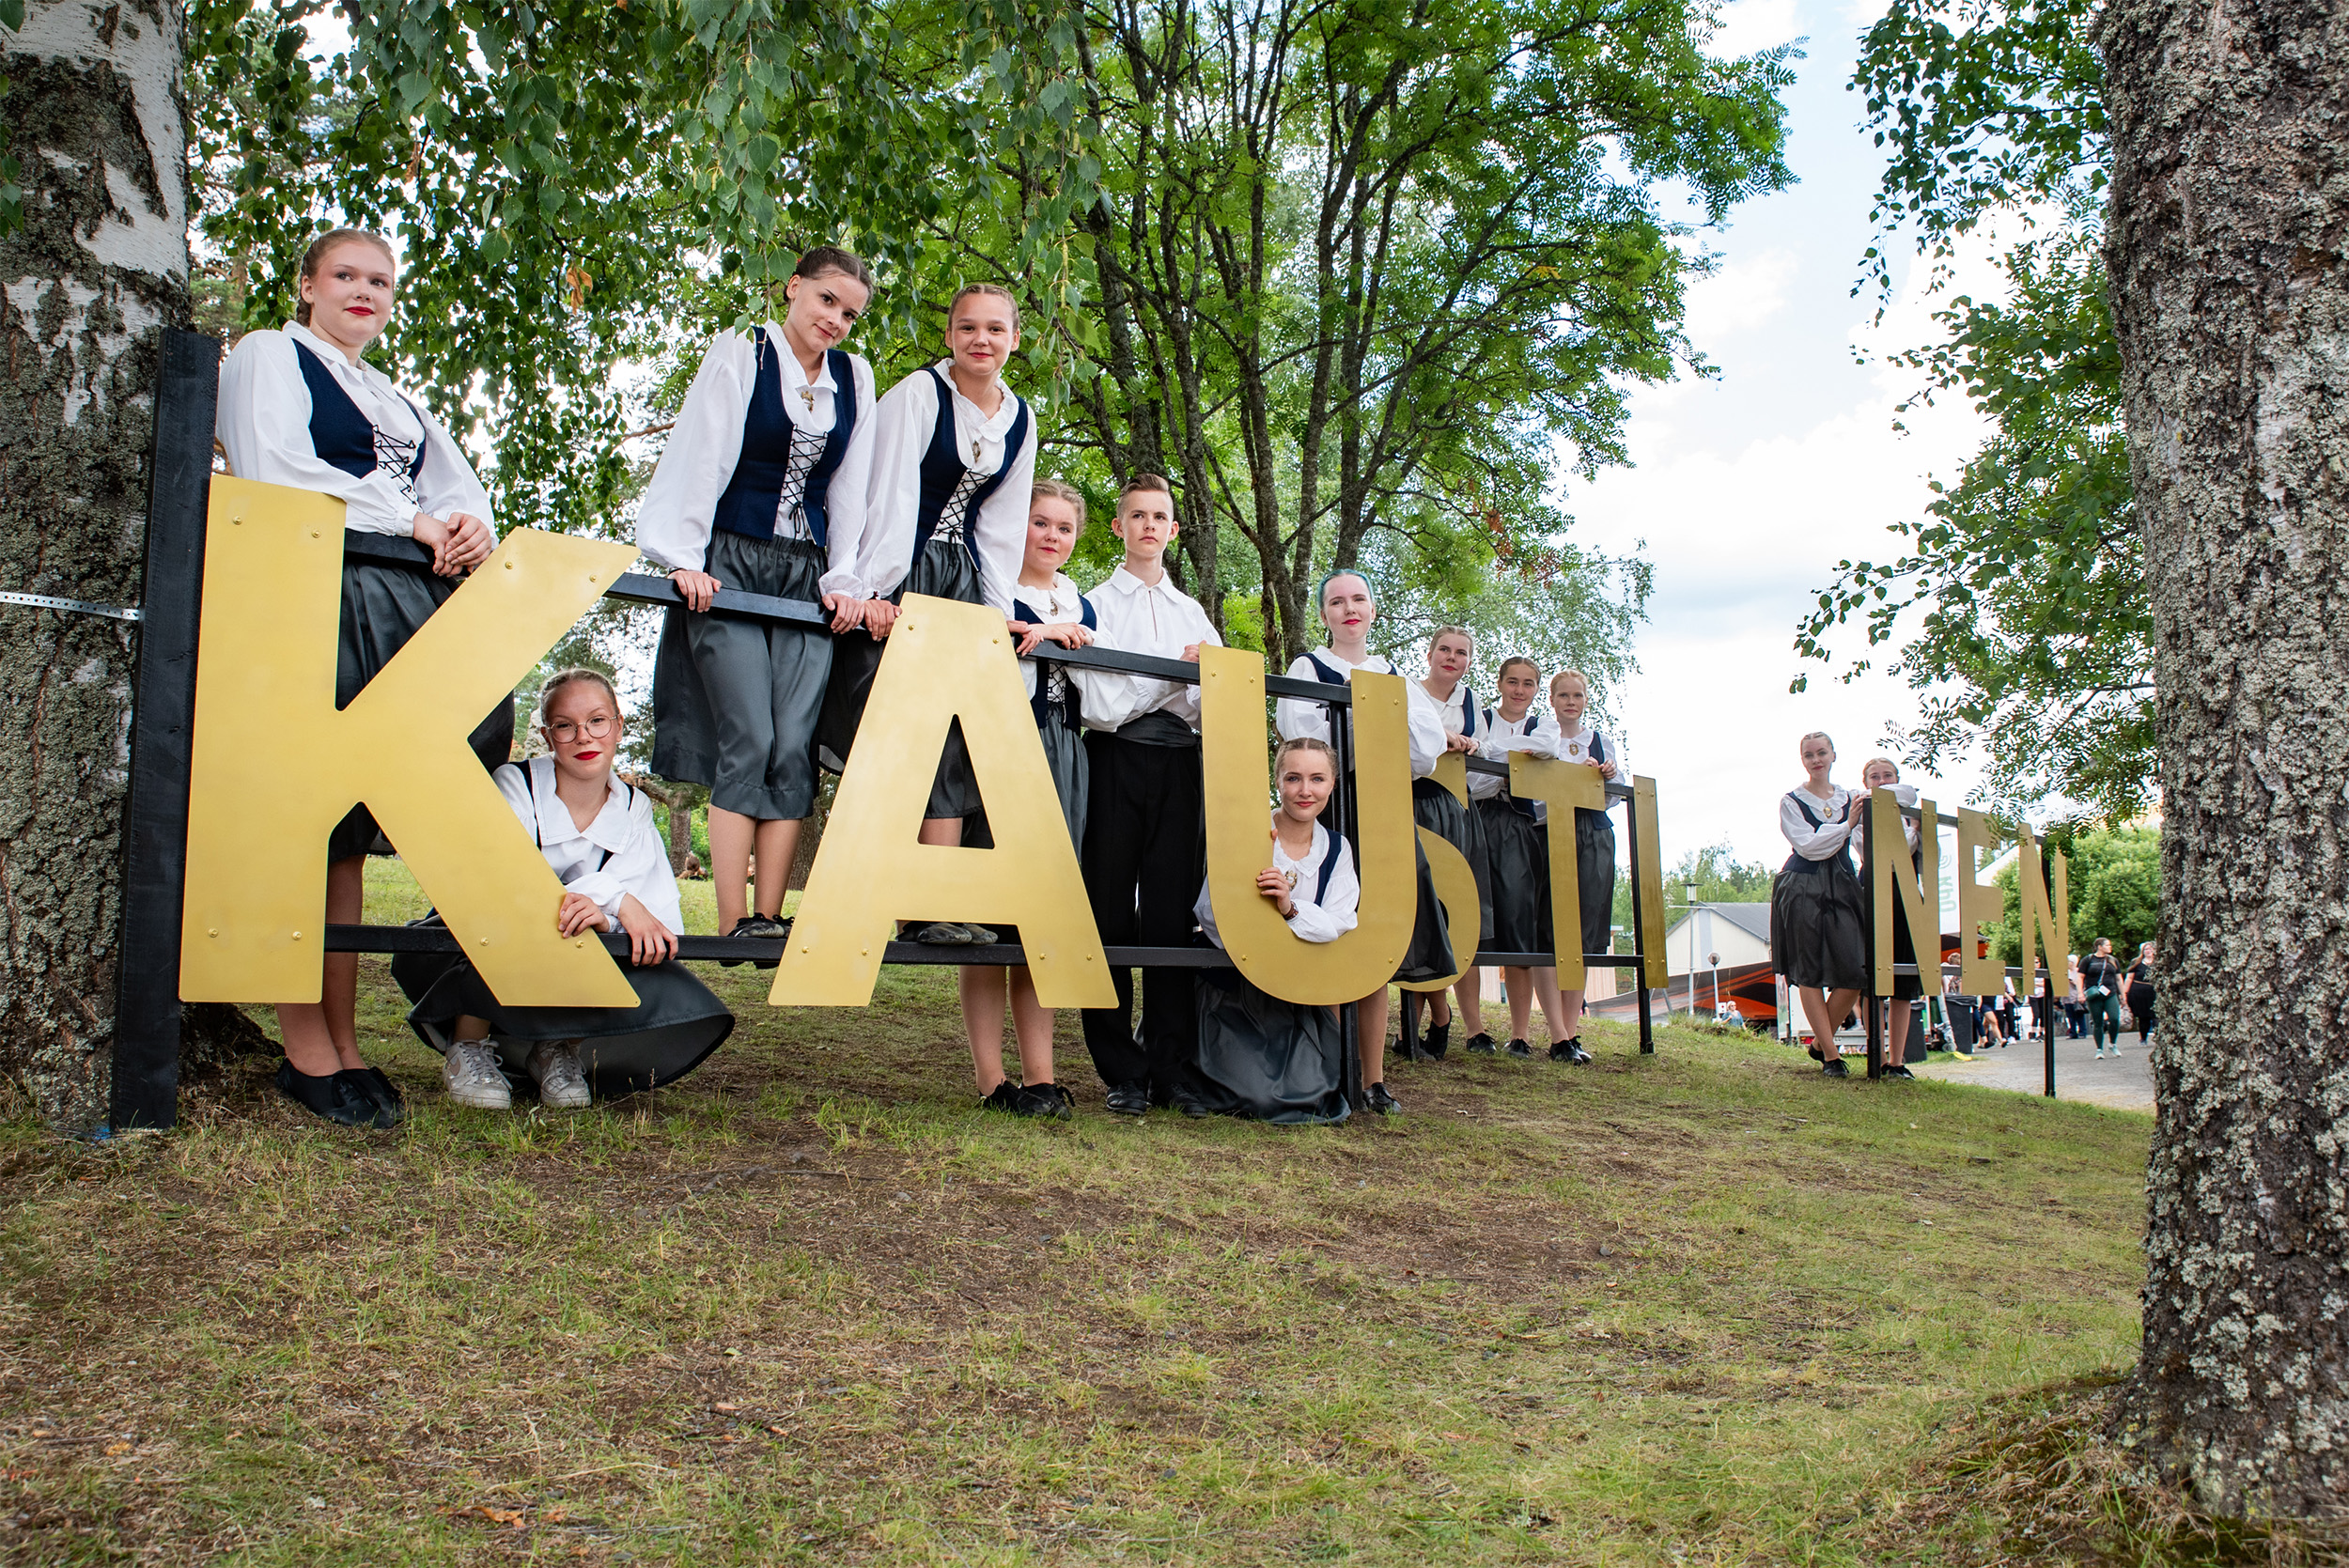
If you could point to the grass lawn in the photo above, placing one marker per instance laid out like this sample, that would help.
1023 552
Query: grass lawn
811 1306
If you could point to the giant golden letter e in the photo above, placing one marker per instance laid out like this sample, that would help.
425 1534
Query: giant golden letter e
945 660
274 765
1239 820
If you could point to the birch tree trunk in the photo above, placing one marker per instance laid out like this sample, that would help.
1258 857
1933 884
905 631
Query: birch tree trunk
99 269
2229 252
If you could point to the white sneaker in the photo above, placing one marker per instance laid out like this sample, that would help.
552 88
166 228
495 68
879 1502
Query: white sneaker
561 1084
471 1071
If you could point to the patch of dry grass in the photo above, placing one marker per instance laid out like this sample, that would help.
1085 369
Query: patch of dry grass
811 1306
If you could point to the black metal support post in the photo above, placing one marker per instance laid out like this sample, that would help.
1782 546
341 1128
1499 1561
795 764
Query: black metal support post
1350 825
162 717
1874 1002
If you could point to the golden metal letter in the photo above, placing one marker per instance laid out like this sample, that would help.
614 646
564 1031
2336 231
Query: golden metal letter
945 660
1978 904
1456 881
2046 930
274 767
1567 786
1887 852
1239 796
1649 868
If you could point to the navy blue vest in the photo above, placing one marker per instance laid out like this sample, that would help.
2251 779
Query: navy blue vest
943 468
341 435
1072 706
1798 863
1328 864
1327 674
747 505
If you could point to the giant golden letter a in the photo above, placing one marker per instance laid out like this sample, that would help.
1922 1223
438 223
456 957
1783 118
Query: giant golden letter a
274 765
945 660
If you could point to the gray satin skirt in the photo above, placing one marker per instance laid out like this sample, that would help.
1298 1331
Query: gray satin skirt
383 607
1516 849
676 1022
735 700
1816 927
1072 777
1265 1059
944 569
1594 867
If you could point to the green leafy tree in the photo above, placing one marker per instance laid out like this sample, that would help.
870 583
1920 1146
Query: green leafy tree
2114 874
2018 604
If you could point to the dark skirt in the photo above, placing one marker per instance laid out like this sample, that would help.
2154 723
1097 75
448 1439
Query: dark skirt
1459 826
944 569
1815 927
1265 1059
1072 775
1905 987
1517 848
1429 957
1595 870
735 700
676 1022
383 607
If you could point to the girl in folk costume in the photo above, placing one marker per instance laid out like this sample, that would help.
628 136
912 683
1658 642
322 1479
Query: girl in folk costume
1516 846
948 516
1349 609
597 835
299 408
1907 989
1048 609
1817 906
1258 1056
1446 681
1594 844
761 490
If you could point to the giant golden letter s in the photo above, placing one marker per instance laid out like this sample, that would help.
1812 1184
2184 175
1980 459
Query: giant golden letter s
274 765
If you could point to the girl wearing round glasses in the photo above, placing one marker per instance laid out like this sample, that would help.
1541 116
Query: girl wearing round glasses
596 832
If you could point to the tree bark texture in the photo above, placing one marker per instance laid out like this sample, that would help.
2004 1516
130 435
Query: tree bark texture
86 286
2228 244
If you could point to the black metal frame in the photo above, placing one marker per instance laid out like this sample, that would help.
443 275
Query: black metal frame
146 1033
1875 1003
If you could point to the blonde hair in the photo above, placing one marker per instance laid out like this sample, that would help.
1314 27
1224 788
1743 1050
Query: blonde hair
1059 490
997 289
1816 734
1872 764
1302 743
1569 675
1443 631
315 256
561 678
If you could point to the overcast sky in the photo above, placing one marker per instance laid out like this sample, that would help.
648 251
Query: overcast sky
1747 489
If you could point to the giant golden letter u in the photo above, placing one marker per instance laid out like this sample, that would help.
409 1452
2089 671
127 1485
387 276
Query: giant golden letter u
274 765
1239 814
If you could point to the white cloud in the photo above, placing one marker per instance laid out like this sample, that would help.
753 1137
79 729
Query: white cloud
1750 26
1745 293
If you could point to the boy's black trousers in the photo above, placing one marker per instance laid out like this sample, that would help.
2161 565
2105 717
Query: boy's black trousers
1145 858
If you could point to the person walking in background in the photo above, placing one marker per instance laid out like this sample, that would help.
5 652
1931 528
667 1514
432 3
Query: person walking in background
2102 976
2074 999
2140 995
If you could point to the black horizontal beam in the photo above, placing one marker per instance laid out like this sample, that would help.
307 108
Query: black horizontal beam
643 588
438 939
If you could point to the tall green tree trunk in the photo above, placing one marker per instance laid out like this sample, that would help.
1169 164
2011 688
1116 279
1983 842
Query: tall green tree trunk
2228 249
86 287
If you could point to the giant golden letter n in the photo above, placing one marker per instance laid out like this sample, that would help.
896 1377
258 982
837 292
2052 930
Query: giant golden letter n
945 660
1567 787
1240 818
1918 888
275 766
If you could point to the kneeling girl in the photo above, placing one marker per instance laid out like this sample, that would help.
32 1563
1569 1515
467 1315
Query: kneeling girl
1258 1056
597 833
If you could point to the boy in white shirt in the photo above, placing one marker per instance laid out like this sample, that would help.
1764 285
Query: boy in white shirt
1145 852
